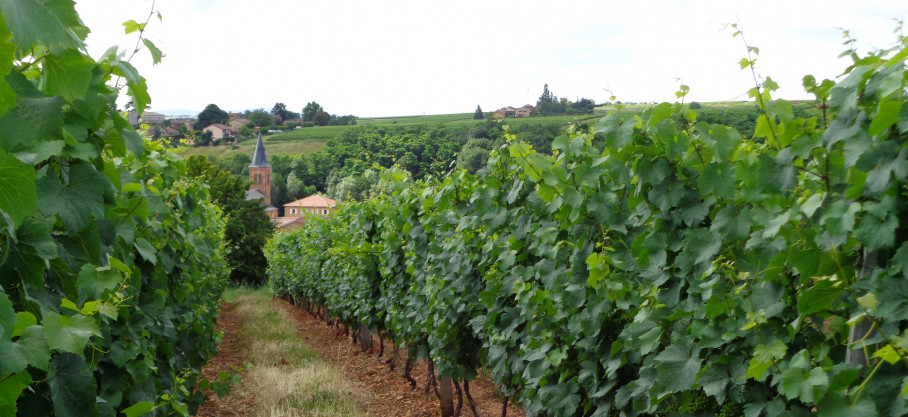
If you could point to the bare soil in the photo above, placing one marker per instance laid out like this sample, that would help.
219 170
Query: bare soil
387 392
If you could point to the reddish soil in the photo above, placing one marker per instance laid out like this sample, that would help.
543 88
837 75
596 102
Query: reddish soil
388 393
230 355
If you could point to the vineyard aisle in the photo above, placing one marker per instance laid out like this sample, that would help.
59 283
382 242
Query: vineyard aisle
293 364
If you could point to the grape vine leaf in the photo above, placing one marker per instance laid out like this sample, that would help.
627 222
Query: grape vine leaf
67 74
42 21
820 296
78 200
35 118
10 389
138 409
677 368
7 54
72 386
69 334
18 197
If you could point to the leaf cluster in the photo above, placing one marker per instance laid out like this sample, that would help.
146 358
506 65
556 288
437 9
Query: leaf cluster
111 264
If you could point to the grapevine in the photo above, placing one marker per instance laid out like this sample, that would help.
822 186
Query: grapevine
652 261
111 265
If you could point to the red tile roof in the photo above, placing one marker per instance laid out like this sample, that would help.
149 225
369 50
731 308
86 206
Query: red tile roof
312 201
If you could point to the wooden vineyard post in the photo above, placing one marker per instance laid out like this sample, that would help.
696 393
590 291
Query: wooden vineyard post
446 396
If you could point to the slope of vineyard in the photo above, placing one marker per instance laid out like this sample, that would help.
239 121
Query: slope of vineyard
111 261
653 265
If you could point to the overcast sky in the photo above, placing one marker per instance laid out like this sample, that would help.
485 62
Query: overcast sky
393 58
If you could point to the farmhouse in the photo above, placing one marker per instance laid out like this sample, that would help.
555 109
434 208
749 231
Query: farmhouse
218 131
509 111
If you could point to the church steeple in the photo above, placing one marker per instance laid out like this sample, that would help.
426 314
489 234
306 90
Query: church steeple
260 171
259 159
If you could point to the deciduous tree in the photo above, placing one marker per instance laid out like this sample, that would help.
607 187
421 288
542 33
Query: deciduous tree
248 226
212 114
310 110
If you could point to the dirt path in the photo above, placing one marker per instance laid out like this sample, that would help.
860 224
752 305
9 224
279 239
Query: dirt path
385 392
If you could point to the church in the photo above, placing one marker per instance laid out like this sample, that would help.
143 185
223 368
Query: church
260 176
260 189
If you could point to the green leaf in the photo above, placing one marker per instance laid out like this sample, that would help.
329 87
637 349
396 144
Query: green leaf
77 201
18 196
7 315
34 347
888 354
677 368
11 358
68 74
887 116
7 54
24 320
134 141
714 381
94 282
704 244
146 250
820 296
131 26
156 53
72 387
798 384
69 334
45 22
869 301
138 409
763 358
36 117
11 388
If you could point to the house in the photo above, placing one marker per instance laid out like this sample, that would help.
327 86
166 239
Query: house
152 117
289 223
219 131
237 123
509 111
314 204
178 122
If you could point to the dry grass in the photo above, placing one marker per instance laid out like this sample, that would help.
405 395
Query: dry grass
287 377
308 390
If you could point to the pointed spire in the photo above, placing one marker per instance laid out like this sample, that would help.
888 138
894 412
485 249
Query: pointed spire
259 159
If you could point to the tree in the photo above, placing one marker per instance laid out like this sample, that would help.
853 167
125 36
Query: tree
248 226
547 96
321 118
310 110
583 105
260 118
212 114
280 110
478 115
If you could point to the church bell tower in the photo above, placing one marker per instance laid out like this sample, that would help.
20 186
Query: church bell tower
260 171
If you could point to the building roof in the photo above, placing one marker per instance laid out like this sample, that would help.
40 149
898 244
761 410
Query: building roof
254 194
259 159
312 201
284 221
219 126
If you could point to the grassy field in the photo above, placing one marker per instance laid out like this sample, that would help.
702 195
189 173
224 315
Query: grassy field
287 377
297 146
